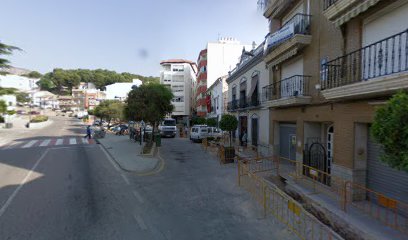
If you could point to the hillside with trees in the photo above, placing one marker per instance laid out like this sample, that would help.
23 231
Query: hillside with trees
61 81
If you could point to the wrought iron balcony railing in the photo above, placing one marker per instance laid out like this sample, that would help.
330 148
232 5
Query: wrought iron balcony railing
328 3
300 24
232 106
297 85
385 57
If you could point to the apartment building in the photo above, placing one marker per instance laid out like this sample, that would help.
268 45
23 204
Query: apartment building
331 63
180 76
216 60
217 95
245 82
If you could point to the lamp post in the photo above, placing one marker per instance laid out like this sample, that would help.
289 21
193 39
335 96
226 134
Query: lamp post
142 124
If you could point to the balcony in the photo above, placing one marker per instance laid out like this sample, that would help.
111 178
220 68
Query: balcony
274 8
292 91
377 69
288 40
232 106
341 11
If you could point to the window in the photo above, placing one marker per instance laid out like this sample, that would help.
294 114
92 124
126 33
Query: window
178 99
178 68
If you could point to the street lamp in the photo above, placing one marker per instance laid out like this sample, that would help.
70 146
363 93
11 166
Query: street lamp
142 124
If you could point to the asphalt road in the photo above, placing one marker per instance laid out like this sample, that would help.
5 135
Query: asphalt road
75 191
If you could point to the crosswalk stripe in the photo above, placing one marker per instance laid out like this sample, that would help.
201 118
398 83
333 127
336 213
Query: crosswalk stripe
30 144
72 141
85 141
45 143
59 141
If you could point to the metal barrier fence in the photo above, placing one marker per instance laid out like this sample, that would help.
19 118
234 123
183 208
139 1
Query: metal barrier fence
389 211
279 204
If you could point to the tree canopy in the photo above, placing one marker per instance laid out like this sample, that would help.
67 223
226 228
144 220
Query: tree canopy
7 91
229 123
212 122
390 128
61 81
33 74
6 50
109 109
150 103
3 106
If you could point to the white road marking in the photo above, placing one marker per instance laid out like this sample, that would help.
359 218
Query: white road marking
140 222
138 197
30 144
59 141
85 141
109 158
125 178
45 143
72 141
13 195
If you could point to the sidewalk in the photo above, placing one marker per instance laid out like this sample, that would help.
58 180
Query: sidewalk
127 154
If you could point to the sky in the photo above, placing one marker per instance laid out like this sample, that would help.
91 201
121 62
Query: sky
122 35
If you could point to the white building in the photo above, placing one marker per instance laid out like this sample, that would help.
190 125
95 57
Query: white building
119 91
180 76
245 85
213 62
218 93
44 99
10 101
18 82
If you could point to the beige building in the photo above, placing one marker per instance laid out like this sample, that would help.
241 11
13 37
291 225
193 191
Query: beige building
331 64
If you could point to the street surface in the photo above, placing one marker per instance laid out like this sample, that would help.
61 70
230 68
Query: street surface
71 189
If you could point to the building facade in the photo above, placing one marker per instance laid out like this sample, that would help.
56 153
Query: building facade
245 83
216 60
180 76
331 63
217 94
119 91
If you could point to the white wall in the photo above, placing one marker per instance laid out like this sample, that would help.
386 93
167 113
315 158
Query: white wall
10 100
222 58
120 90
19 82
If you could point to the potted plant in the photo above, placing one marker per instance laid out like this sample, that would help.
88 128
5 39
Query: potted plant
229 123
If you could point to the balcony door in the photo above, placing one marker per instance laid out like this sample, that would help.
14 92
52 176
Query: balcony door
291 84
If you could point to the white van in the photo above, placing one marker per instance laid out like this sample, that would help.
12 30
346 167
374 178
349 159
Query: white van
214 132
198 132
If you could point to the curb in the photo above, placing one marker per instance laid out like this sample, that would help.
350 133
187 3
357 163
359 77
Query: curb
152 171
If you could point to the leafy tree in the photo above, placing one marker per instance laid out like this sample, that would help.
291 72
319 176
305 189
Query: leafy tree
150 103
6 50
22 97
33 74
390 128
109 109
59 79
199 121
3 106
212 122
7 91
229 123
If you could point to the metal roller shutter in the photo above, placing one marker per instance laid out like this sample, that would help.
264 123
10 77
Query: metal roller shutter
383 179
287 148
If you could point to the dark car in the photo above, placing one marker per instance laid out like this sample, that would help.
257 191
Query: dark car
34 113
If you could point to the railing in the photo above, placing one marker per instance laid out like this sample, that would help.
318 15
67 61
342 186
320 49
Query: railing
294 86
300 24
232 106
385 57
253 101
243 103
328 3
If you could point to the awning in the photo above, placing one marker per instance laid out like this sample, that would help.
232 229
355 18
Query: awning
362 7
254 83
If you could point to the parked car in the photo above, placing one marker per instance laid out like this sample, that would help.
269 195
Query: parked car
34 113
214 132
21 112
198 132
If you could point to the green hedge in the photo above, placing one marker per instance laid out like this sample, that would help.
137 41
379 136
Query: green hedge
39 118
1 119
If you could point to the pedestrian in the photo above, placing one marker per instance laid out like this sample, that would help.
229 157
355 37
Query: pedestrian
88 132
244 138
186 130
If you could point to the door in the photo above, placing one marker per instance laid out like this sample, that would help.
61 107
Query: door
254 131
287 141
382 178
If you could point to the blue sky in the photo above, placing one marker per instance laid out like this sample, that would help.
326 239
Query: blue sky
122 35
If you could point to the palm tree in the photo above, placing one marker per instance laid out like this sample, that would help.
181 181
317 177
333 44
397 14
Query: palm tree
6 50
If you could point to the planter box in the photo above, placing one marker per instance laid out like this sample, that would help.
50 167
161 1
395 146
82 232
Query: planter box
229 154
